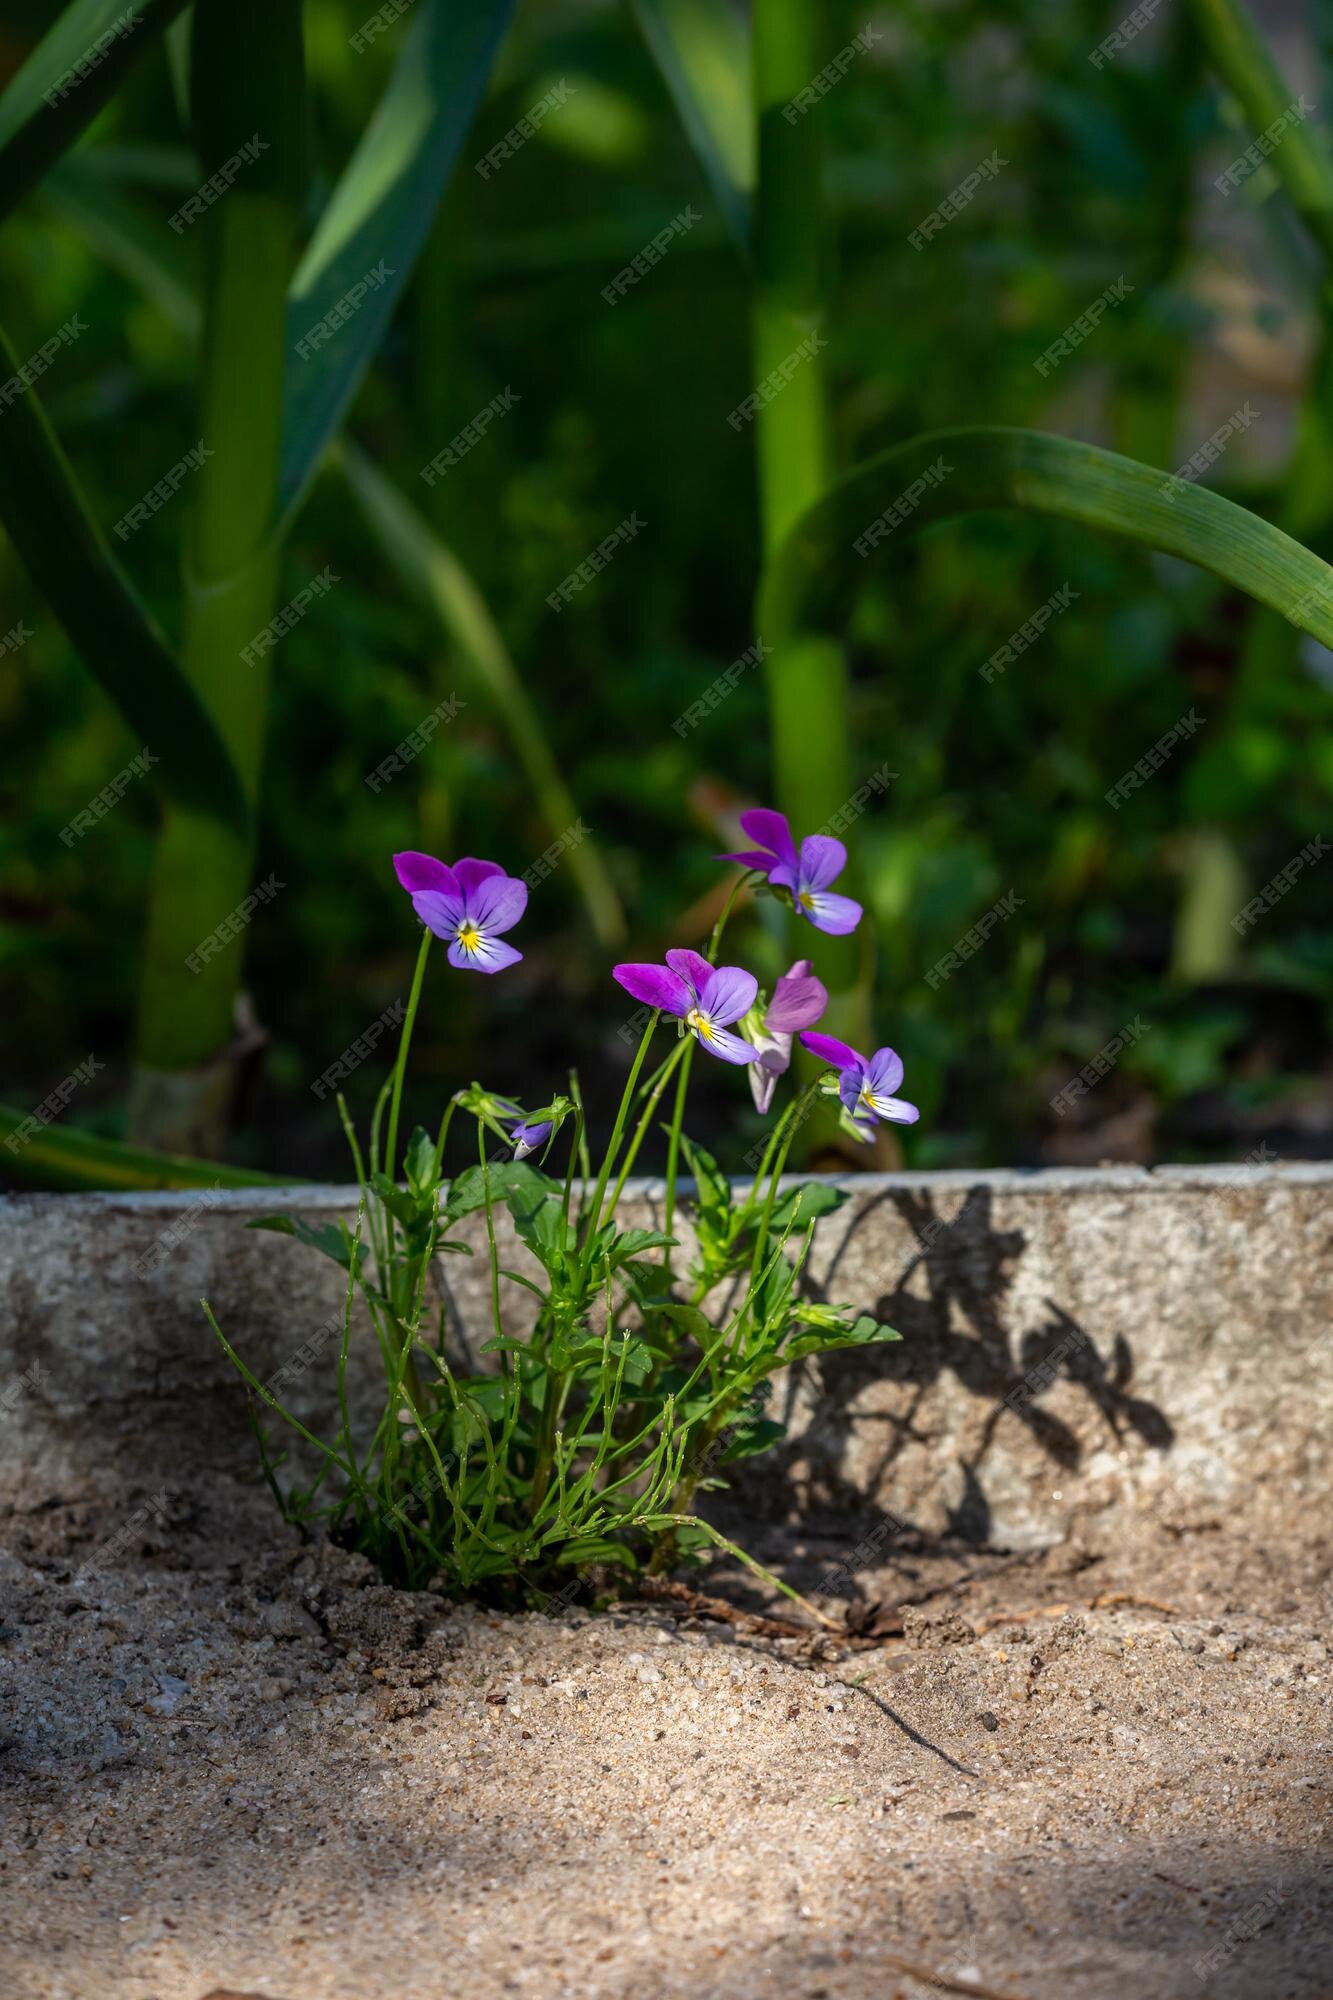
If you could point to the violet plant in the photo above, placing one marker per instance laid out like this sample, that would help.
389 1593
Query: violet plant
568 1454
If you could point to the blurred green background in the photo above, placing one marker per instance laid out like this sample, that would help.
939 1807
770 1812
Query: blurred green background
998 786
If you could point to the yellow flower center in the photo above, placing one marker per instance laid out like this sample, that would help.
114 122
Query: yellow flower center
806 900
469 936
701 1022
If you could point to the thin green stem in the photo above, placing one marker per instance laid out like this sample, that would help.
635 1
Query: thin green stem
404 1043
618 1131
679 1055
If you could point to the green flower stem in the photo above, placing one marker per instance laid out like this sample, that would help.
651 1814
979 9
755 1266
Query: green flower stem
618 1131
679 1055
792 1120
404 1042
683 1081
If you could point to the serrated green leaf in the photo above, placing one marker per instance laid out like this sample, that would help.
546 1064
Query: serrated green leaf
803 1204
331 1239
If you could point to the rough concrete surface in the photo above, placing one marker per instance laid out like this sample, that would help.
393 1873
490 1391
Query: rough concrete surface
1073 1739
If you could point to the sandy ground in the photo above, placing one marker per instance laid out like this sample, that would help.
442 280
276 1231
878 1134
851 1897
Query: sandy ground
231 1763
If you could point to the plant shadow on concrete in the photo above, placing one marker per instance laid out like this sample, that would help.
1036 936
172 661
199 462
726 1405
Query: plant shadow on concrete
869 1410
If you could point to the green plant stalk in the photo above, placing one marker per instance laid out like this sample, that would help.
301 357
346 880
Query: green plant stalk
683 1081
404 1044
1245 65
203 872
617 1133
1206 944
807 674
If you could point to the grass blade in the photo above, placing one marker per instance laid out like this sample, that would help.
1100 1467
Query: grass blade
60 544
55 1157
952 472
378 218
49 103
434 575
701 48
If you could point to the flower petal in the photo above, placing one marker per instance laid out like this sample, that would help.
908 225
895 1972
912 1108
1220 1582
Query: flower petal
894 1110
832 1051
470 872
764 1074
799 1000
527 1135
752 857
770 829
439 912
727 993
884 1072
834 914
423 871
849 1090
822 860
655 986
496 903
487 955
730 1048
695 971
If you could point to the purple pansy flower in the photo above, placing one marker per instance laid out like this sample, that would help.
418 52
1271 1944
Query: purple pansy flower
708 998
866 1083
799 999
529 1133
805 875
469 904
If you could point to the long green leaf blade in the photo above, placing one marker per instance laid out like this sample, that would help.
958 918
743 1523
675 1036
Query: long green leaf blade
942 474
377 219
436 577
70 75
57 539
700 46
57 1158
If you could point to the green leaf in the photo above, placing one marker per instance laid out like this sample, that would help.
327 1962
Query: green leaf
49 103
401 1205
941 474
53 1157
695 1324
702 50
467 1192
747 1439
434 575
594 1550
331 1239
540 1221
63 550
712 1189
803 1204
378 217
419 1162
866 1332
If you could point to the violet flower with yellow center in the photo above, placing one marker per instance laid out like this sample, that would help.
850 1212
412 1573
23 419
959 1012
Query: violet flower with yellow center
706 998
805 873
468 905
866 1084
